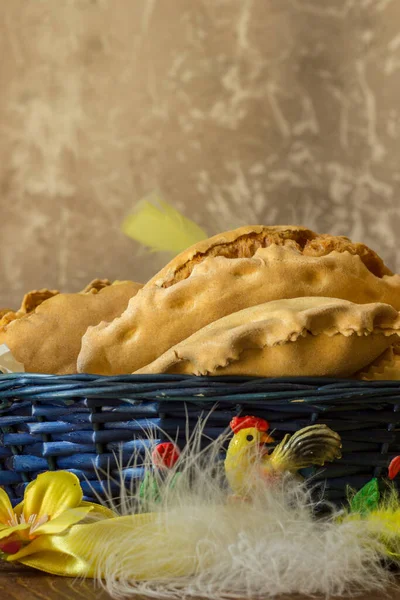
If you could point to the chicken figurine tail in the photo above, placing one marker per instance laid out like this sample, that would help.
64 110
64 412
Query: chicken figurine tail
313 445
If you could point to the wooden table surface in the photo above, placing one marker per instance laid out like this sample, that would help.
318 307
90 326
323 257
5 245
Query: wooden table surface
21 583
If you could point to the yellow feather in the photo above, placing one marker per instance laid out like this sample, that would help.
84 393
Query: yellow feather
160 227
382 523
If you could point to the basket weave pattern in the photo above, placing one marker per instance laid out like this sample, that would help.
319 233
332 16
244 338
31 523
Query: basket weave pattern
82 422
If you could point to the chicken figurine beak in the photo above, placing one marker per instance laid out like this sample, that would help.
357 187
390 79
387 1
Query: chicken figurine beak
265 445
267 439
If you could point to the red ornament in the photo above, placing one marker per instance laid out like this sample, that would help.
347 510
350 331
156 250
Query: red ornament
394 467
239 423
165 455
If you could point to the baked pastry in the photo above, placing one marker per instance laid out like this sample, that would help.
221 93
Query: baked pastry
385 368
48 339
245 241
308 336
30 301
4 311
161 316
95 286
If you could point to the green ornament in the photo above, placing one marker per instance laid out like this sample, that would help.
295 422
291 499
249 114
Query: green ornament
366 499
149 491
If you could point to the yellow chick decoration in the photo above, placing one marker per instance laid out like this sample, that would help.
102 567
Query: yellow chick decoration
249 461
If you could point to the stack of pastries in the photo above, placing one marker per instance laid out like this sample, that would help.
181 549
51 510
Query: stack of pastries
264 301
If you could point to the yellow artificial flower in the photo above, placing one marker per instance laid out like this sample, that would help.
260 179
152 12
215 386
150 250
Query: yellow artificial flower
147 545
52 504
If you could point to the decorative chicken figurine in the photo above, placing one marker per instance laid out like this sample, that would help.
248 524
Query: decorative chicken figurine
164 457
248 459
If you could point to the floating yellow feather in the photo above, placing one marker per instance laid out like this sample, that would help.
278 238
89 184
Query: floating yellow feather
161 227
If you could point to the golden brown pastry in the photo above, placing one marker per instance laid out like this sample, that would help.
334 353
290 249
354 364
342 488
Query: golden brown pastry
385 368
10 315
95 286
4 311
48 339
245 241
297 337
30 301
160 317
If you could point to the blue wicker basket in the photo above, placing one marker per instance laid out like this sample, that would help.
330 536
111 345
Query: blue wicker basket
80 422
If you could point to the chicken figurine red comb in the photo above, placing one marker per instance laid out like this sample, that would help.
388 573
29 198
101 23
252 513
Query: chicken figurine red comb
239 423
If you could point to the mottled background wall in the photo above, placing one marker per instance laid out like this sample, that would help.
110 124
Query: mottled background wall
239 111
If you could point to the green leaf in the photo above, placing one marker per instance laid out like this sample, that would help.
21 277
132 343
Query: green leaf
366 499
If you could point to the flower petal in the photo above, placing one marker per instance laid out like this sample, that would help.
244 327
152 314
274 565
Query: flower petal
51 494
141 542
62 522
6 510
78 552
53 554
99 511
72 554
7 531
18 508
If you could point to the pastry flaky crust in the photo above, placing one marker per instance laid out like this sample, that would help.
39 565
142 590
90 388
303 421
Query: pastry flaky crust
48 339
30 302
95 286
32 299
158 318
308 336
385 368
245 241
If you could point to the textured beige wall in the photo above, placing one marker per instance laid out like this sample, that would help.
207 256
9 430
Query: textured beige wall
239 111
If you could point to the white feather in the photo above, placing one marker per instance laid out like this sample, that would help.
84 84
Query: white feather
275 545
